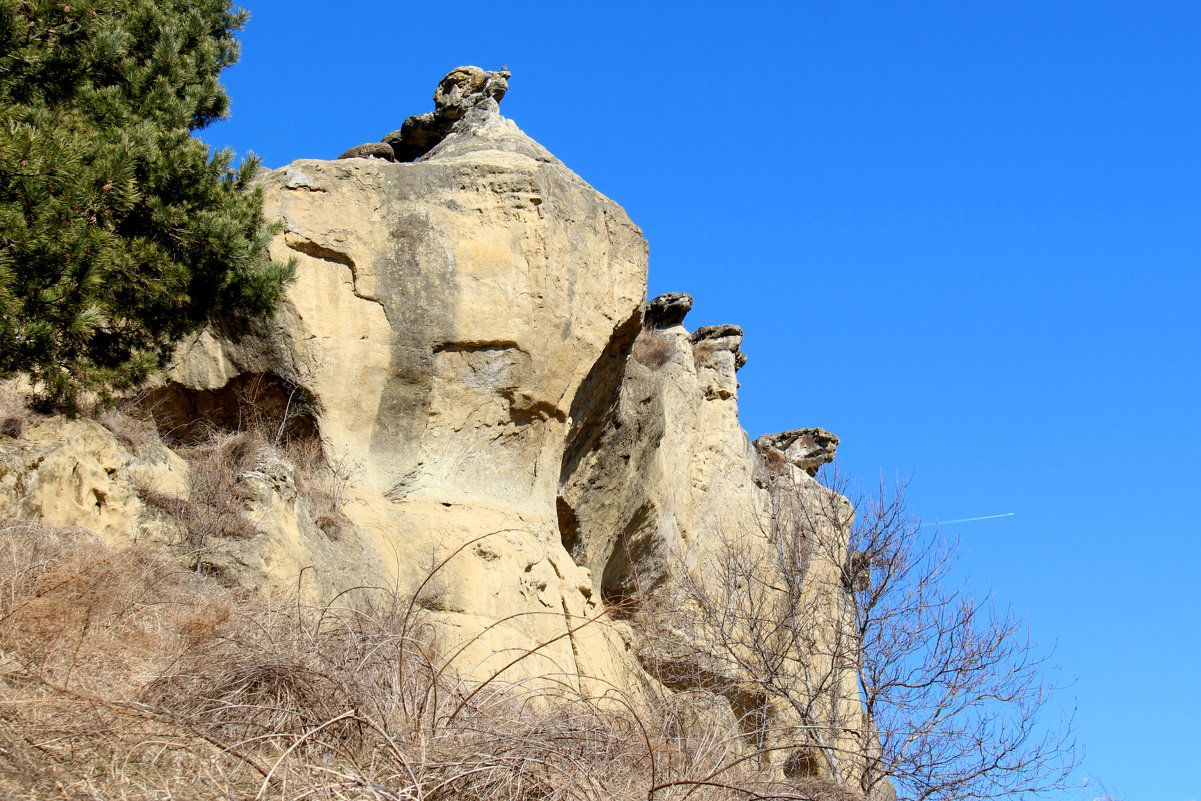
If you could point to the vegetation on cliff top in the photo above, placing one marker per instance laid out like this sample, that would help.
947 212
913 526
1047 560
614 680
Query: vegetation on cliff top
120 232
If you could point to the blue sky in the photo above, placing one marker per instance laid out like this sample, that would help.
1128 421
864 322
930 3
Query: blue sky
964 236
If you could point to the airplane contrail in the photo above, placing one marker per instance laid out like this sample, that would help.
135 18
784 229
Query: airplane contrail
965 520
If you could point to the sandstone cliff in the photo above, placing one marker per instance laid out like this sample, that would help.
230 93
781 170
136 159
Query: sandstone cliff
468 339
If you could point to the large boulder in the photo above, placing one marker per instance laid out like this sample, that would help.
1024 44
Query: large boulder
462 90
805 448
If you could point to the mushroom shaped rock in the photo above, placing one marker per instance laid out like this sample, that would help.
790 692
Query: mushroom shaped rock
463 90
668 310
804 448
717 351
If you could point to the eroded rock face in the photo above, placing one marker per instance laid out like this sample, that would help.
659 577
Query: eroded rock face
73 473
671 465
673 510
450 319
132 488
534 446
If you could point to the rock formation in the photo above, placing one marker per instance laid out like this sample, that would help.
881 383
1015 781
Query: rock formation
669 463
668 500
468 330
463 90
371 150
450 319
805 448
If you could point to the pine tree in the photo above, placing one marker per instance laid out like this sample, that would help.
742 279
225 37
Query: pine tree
120 232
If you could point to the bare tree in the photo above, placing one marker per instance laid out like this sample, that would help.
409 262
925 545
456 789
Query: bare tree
848 651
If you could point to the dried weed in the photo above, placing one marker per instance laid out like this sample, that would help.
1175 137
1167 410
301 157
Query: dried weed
123 677
15 413
652 349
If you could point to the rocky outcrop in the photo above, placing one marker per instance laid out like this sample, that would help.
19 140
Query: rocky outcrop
463 90
668 310
73 473
670 464
677 516
371 150
529 442
242 519
805 448
450 320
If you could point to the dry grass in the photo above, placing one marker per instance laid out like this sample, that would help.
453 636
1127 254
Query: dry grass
267 418
215 507
15 413
267 442
132 427
124 677
322 482
702 352
219 468
80 628
652 349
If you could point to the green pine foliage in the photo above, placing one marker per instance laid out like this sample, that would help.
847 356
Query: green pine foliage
120 232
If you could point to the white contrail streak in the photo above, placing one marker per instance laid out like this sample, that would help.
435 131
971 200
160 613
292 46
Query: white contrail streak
965 520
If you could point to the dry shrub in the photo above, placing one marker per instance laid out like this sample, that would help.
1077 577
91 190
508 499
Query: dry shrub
703 351
215 507
132 427
122 677
817 788
217 502
652 349
217 490
81 626
15 413
254 420
323 483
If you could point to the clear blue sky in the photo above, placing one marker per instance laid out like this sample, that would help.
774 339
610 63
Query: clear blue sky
964 236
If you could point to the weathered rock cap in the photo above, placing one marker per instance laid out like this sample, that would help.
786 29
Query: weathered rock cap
726 337
463 89
371 150
807 448
716 332
416 137
667 310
